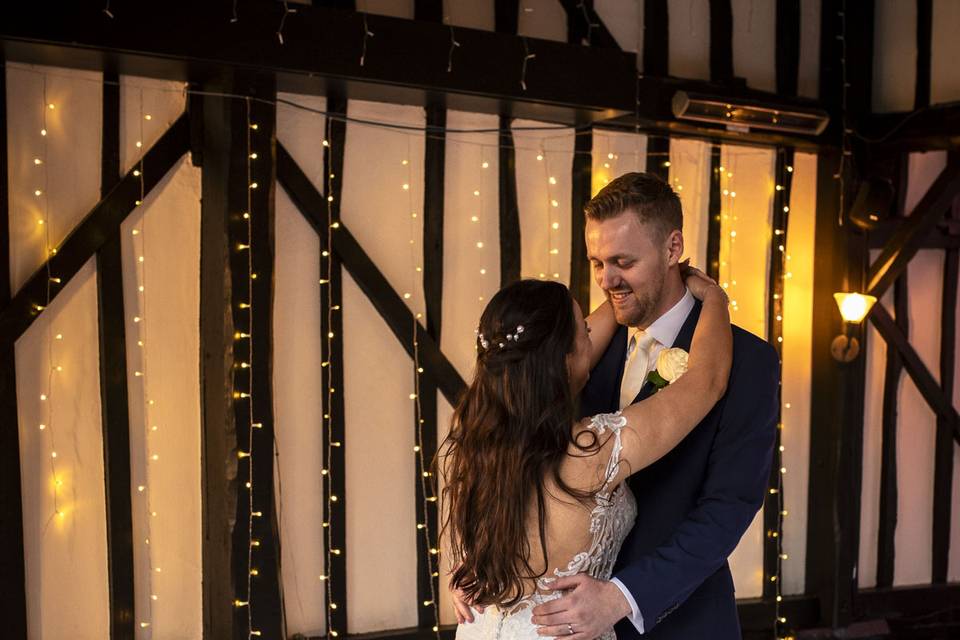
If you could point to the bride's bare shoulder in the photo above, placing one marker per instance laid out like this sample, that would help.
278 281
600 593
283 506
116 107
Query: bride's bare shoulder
585 465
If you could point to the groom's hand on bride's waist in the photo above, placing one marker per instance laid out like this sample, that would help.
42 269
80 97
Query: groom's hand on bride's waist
588 609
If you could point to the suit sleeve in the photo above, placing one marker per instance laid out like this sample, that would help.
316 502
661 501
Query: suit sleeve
734 489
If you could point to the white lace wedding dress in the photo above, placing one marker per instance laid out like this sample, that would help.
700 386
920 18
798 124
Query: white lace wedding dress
610 521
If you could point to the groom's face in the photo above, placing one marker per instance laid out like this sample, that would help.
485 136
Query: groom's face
629 260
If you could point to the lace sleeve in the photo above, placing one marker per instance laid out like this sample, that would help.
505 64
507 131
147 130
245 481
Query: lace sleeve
615 423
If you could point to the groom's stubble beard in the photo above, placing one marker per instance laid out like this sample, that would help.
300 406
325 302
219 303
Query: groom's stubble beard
646 302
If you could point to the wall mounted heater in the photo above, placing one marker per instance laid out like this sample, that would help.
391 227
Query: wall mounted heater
743 116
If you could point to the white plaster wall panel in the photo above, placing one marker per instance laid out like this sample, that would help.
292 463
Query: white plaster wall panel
689 33
754 43
163 382
147 109
471 234
624 21
381 525
543 19
544 199
690 179
301 129
65 557
808 80
469 13
894 55
65 185
394 8
298 415
944 52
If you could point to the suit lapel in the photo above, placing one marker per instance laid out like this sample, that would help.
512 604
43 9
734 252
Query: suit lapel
684 338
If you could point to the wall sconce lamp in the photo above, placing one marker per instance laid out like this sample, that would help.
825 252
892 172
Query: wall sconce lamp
854 307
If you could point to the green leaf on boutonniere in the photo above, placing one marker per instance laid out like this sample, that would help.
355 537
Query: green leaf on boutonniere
657 380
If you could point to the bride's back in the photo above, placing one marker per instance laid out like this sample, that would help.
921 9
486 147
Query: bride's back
580 531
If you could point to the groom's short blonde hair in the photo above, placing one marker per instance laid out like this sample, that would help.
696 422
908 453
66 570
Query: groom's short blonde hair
649 197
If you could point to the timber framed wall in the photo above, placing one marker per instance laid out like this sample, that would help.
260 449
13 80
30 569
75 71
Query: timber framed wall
605 129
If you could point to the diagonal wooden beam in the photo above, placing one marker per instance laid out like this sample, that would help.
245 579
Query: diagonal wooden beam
906 241
369 278
918 371
96 228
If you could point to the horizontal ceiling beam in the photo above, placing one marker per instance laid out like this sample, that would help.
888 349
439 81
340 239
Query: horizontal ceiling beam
369 57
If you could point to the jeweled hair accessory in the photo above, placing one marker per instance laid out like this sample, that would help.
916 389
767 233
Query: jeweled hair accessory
511 337
483 341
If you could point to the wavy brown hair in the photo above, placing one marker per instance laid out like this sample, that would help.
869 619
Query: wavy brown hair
510 432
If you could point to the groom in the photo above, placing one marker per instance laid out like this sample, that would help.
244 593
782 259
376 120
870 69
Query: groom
671 580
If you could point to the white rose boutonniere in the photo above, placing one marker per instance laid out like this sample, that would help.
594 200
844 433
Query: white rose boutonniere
671 364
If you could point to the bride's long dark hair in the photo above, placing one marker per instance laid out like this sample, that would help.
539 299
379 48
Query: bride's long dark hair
509 434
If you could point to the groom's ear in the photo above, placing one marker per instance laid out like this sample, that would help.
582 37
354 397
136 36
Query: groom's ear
674 246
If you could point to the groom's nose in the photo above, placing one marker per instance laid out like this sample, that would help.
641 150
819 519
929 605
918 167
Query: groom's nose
609 278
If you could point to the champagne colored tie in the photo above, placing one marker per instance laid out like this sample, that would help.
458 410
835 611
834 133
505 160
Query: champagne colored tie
637 367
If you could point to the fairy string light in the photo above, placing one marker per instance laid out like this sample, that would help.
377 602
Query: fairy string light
150 427
246 370
481 217
553 225
42 193
781 271
328 364
729 281
423 528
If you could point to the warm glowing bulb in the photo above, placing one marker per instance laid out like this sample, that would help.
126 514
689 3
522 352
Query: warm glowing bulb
854 307
552 180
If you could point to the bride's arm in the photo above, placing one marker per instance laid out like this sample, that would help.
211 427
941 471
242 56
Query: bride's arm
656 425
602 325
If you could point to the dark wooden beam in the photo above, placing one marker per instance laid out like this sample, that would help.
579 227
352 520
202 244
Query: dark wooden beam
656 38
509 209
934 127
943 461
582 188
219 441
425 430
787 46
836 414
585 27
252 123
506 16
370 280
428 10
658 156
334 435
889 494
405 61
914 366
945 236
721 41
714 213
905 241
113 387
92 232
921 96
13 605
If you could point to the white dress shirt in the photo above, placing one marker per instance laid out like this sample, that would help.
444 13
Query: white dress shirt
664 330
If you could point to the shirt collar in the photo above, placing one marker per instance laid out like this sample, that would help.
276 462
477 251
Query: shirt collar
666 328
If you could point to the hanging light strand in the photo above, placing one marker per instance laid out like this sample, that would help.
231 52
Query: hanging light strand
150 429
50 251
424 475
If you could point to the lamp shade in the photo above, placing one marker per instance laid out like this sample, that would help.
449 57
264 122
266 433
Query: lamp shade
854 307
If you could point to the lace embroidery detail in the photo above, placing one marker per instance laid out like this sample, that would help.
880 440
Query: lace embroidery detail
611 519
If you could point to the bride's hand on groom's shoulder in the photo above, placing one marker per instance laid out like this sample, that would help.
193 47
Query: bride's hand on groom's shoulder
696 280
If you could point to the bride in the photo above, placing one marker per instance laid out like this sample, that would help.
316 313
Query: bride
530 493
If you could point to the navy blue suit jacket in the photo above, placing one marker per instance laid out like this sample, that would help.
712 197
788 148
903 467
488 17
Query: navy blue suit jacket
696 502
